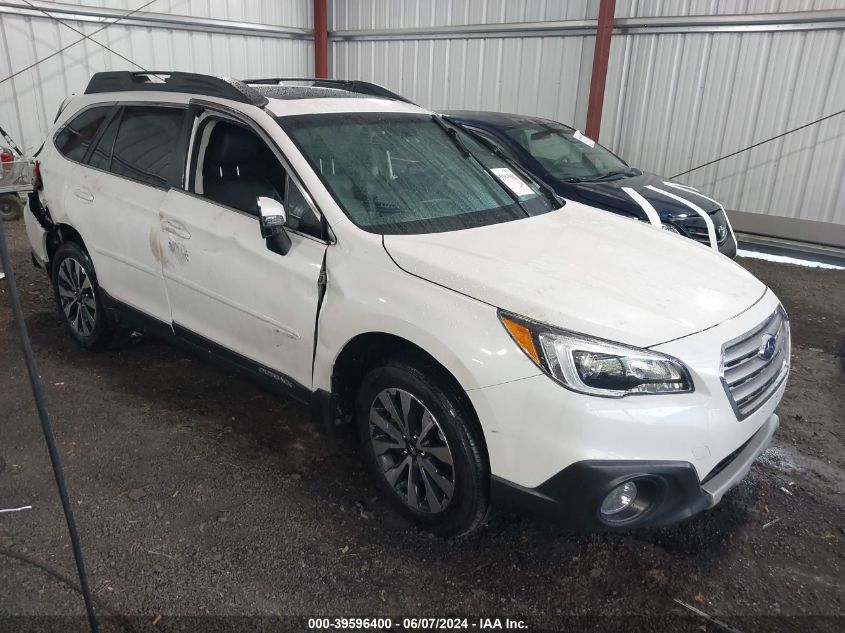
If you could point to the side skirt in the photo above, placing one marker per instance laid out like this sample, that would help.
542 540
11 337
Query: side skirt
180 336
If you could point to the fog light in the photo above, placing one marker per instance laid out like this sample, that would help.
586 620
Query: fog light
619 498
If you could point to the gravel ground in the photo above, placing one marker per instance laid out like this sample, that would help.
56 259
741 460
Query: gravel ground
197 494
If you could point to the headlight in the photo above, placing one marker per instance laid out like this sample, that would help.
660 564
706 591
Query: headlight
595 366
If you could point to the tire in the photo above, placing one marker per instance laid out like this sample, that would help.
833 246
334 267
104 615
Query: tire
407 398
77 297
11 207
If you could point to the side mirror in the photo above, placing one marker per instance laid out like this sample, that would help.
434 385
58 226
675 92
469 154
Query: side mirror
272 218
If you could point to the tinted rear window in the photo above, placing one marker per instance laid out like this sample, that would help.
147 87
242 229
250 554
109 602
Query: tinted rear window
76 137
146 144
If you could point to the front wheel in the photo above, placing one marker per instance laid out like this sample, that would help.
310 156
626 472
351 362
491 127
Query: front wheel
426 451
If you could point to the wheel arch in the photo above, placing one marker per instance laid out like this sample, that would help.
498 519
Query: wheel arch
367 350
60 234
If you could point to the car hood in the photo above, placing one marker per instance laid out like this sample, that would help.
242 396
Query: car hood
611 194
585 270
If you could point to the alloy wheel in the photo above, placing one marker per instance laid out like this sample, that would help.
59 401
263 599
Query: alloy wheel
412 451
76 294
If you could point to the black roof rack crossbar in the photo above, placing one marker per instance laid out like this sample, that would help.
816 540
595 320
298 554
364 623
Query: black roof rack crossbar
350 85
192 83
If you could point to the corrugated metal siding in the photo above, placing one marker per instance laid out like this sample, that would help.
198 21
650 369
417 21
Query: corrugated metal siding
378 14
548 76
298 13
662 8
675 101
29 102
528 75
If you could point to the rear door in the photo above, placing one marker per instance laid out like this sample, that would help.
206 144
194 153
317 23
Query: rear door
118 195
227 290
62 162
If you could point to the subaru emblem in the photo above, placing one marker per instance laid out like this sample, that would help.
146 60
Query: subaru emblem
768 345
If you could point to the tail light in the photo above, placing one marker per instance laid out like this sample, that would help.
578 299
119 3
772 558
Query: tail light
36 175
6 156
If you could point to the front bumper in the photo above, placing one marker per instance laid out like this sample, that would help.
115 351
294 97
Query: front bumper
695 228
535 428
672 489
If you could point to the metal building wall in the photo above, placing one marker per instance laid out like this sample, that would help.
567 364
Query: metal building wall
677 95
228 38
655 8
428 58
676 100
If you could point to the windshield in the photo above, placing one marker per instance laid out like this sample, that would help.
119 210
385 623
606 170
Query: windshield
565 153
404 173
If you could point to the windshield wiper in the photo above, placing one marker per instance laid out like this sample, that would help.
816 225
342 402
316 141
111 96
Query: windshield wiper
611 174
545 188
450 132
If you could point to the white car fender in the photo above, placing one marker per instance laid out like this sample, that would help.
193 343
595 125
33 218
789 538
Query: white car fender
368 293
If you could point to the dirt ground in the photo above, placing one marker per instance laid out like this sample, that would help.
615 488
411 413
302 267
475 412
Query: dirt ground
199 495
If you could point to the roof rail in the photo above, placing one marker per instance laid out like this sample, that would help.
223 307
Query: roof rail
193 83
350 85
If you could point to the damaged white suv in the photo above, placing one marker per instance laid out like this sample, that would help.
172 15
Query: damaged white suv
493 343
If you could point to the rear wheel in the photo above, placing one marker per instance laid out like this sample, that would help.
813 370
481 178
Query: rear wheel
425 450
11 207
77 298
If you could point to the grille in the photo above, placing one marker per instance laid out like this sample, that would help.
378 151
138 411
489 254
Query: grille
696 228
756 363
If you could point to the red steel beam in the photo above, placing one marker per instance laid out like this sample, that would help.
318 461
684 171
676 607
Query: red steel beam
600 58
321 40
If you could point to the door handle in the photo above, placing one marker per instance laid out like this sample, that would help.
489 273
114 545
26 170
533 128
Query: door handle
83 194
174 227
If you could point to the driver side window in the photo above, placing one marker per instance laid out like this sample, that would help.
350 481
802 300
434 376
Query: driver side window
300 215
233 167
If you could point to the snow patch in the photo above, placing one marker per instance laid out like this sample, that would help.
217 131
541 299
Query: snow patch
783 259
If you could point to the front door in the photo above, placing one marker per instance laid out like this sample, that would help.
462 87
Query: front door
226 288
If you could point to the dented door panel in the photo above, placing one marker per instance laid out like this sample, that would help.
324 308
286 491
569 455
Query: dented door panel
225 285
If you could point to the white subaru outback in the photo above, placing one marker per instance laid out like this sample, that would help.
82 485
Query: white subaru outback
493 343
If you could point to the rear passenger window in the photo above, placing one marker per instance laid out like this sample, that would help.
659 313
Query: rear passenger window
146 144
75 138
101 154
